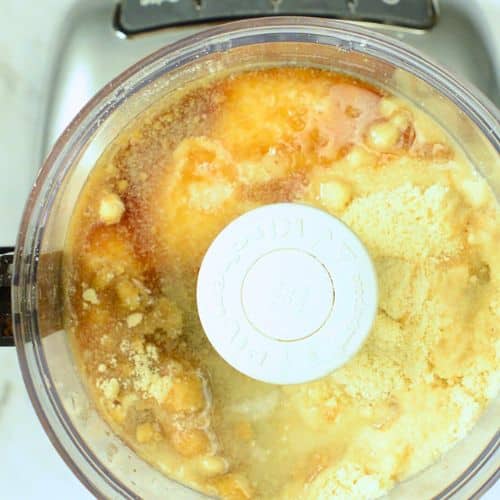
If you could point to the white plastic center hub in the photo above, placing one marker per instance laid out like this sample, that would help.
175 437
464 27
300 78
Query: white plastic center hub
287 283
286 293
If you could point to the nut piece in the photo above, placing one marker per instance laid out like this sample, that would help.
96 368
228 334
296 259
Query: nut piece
334 195
90 295
212 465
388 105
360 157
144 433
111 209
134 319
401 120
191 442
383 136
186 395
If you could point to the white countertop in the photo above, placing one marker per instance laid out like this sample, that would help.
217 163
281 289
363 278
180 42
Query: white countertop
31 468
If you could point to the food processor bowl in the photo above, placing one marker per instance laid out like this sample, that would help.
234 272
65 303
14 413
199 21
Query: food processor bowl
103 462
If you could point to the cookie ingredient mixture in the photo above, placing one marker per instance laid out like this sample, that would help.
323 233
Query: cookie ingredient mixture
184 169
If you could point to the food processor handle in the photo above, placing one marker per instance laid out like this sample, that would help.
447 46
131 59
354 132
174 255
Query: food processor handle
6 260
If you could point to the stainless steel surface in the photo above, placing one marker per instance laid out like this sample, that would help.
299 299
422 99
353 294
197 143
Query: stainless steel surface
91 52
138 15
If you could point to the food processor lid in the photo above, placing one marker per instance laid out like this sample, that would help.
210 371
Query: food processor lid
286 293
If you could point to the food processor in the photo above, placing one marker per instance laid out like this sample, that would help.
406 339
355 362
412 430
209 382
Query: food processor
101 461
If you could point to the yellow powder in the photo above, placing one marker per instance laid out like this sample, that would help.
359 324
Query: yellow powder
409 222
109 387
147 379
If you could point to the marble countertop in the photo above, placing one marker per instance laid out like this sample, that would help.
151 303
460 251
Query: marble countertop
31 468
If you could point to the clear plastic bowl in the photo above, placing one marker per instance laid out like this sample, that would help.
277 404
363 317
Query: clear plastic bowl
102 462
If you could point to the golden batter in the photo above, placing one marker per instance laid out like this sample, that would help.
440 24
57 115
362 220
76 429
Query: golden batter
168 185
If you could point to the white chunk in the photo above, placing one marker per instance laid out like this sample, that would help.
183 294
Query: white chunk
111 209
360 157
383 136
134 319
334 195
90 295
109 387
211 466
388 106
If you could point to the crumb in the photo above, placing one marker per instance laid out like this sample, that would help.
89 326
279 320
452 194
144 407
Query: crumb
90 295
111 209
134 319
109 387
